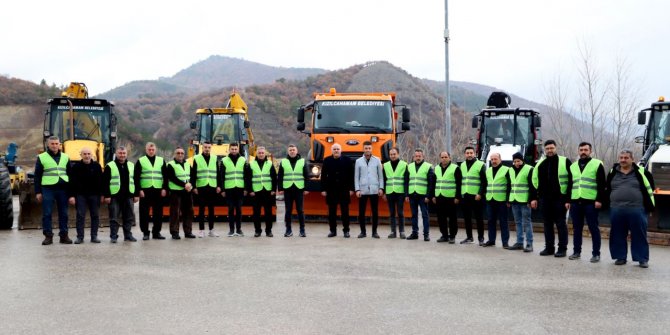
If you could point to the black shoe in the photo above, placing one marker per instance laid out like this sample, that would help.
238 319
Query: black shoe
347 235
288 234
302 234
413 236
112 240
481 242
442 239
426 238
468 240
78 240
189 235
375 235
269 234
516 246
130 239
362 235
176 237
560 253
332 234
159 237
595 259
506 246
547 252
257 234
145 237
488 244
575 255
392 235
528 248
620 262
452 240
644 265
402 236
95 240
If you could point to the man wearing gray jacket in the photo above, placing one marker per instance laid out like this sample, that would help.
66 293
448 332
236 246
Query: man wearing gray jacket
369 185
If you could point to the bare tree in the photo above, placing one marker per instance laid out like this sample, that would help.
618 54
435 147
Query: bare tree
624 95
562 126
592 98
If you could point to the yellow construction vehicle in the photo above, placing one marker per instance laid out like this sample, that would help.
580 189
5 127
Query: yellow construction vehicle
78 121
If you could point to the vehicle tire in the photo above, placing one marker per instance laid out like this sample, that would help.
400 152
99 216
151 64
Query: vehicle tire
6 210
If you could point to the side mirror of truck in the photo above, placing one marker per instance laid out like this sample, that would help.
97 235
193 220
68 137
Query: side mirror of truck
301 126
193 124
538 121
301 116
246 124
475 122
639 139
406 116
405 126
641 118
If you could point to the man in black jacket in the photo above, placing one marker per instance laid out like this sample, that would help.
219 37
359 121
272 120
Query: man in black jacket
85 193
337 184
551 179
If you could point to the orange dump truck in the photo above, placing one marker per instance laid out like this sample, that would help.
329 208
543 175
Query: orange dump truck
348 119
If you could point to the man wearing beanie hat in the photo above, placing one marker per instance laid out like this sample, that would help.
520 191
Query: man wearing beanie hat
520 197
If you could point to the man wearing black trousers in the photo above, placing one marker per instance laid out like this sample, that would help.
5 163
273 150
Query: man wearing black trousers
86 192
232 179
446 197
150 178
551 180
337 185
261 183
473 187
204 175
291 183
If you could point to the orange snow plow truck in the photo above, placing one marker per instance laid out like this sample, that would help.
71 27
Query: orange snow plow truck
348 119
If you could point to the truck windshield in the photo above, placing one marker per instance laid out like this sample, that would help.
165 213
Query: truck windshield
223 128
503 127
354 116
90 123
660 132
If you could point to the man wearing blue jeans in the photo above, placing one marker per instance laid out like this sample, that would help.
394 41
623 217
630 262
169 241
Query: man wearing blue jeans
421 179
631 197
586 187
51 184
520 199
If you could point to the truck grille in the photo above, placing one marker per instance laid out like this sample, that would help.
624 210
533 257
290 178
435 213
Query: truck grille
661 173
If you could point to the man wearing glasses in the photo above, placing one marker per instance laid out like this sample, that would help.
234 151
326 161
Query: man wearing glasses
181 203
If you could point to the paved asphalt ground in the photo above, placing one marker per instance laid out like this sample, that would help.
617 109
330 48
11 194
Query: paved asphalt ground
315 285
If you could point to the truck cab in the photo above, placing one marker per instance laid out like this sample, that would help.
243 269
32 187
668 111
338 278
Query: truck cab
656 143
350 119
507 131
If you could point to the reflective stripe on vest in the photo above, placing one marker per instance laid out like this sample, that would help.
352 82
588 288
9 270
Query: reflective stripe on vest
293 176
584 185
520 186
182 173
151 176
471 183
562 174
497 187
261 178
445 182
115 181
418 180
53 171
206 171
647 185
234 175
395 180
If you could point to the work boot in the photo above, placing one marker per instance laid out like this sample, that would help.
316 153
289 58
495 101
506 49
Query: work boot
547 252
64 239
48 240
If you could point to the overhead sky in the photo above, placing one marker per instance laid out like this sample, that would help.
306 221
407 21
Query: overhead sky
516 45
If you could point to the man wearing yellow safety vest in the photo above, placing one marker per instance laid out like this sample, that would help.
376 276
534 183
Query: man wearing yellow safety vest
120 193
447 188
51 184
497 194
551 180
472 190
261 182
232 179
587 191
419 193
149 176
291 183
630 196
396 180
521 195
181 201
204 175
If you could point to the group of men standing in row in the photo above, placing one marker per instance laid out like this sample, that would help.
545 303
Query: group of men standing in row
556 185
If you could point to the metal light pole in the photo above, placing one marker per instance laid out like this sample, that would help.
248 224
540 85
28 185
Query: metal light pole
447 96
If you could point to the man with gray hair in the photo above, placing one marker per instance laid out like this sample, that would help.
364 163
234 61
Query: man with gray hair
337 186
86 193
52 171
630 190
498 186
